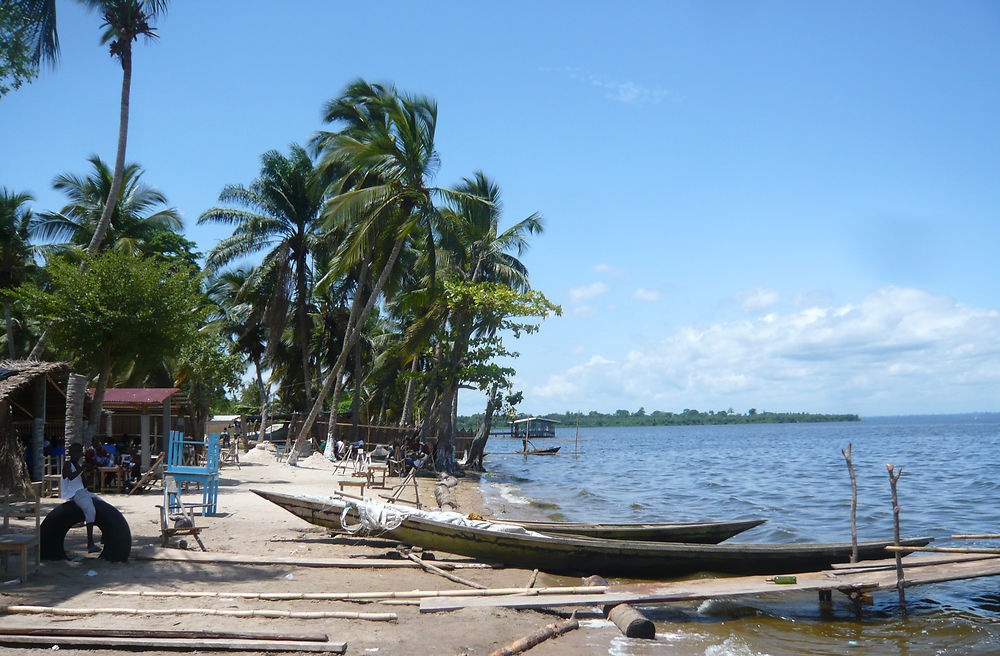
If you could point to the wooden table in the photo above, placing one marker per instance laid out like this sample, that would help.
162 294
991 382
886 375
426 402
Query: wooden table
102 478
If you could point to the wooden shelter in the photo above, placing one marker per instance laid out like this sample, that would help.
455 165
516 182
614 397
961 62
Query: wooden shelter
32 410
149 412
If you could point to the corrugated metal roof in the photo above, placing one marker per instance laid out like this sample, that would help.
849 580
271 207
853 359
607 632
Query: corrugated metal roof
138 394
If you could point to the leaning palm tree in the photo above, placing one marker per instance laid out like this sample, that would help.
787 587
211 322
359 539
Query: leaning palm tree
15 253
278 213
137 216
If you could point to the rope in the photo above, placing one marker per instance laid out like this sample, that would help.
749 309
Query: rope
373 518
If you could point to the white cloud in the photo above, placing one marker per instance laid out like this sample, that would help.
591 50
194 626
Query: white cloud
609 270
563 386
756 299
897 351
583 292
648 295
623 91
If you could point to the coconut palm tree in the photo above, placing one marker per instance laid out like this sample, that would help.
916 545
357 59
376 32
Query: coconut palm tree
124 22
278 213
386 157
137 217
15 253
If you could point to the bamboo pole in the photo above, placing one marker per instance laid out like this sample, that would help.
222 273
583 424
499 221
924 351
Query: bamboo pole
357 596
983 536
160 645
957 550
894 475
854 503
539 636
440 572
161 633
254 612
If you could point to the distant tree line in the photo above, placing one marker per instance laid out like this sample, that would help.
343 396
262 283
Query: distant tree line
686 418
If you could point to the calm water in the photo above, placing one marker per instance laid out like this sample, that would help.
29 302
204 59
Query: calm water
795 476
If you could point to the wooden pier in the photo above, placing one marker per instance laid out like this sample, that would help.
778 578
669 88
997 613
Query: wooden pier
850 579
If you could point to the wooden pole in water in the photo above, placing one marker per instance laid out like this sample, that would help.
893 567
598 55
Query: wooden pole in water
576 447
854 503
894 475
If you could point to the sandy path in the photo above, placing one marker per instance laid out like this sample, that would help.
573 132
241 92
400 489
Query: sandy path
253 526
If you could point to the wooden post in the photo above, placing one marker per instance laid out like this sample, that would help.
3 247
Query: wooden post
144 440
576 447
38 430
894 475
854 504
165 432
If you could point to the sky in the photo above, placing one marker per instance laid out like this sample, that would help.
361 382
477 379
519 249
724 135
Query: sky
784 206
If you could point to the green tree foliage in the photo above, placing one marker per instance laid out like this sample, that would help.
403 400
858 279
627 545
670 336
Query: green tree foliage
17 65
688 417
206 370
15 255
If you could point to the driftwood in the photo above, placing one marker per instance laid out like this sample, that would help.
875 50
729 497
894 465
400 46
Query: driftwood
854 503
631 622
353 596
161 633
894 475
445 499
255 612
440 572
174 644
539 636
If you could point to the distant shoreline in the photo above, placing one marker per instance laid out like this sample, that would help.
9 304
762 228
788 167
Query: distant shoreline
595 419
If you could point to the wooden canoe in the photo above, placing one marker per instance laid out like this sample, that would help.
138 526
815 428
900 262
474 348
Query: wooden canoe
550 451
574 555
697 532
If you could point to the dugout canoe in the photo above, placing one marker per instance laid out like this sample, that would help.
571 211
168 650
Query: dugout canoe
575 555
321 513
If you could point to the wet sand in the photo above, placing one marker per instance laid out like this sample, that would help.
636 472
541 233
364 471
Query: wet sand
250 526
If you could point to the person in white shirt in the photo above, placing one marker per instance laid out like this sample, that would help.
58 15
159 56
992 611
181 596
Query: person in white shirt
72 488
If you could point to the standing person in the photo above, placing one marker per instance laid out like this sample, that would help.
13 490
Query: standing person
72 488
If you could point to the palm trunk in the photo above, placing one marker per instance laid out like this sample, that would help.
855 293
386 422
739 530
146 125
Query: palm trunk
302 329
356 401
8 320
264 393
354 333
76 390
445 455
406 419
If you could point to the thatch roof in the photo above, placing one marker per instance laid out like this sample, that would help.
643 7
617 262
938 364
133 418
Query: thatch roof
16 374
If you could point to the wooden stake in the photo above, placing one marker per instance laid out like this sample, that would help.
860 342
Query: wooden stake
854 503
440 572
539 636
894 475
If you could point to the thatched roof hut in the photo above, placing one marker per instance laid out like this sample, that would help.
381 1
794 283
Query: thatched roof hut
32 408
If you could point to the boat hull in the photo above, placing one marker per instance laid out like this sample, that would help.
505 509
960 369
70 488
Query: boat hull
574 555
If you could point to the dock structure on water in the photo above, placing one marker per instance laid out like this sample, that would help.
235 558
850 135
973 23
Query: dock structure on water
853 580
528 428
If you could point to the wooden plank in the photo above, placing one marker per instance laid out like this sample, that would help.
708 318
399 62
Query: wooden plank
734 587
178 643
351 596
237 559
162 633
245 613
875 565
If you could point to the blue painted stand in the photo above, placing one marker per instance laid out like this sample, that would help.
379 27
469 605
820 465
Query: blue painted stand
206 476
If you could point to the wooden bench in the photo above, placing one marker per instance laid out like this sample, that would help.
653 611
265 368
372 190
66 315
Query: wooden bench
20 542
375 470
358 484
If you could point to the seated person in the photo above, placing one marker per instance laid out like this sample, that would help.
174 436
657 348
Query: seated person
72 487
418 462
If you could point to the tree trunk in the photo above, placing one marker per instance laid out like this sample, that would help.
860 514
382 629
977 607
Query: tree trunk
356 401
302 329
76 390
478 448
11 351
352 335
97 405
445 456
406 419
264 393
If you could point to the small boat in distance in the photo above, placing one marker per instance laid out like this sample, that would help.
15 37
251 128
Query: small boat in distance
550 451
575 555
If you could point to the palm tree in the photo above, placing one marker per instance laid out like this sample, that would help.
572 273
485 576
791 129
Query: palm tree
135 222
15 252
43 38
386 157
124 22
281 216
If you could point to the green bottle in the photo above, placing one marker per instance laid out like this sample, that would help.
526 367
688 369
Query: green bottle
783 580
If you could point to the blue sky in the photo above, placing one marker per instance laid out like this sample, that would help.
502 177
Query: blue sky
785 206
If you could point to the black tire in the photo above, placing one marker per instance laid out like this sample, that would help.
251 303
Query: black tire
115 532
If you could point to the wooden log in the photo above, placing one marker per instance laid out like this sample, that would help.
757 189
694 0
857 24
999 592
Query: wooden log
531 581
631 622
354 596
161 644
440 572
216 558
536 637
161 633
445 499
254 612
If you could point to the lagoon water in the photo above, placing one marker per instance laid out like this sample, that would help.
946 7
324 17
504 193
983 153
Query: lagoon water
795 476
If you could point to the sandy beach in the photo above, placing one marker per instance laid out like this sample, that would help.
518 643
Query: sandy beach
250 526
